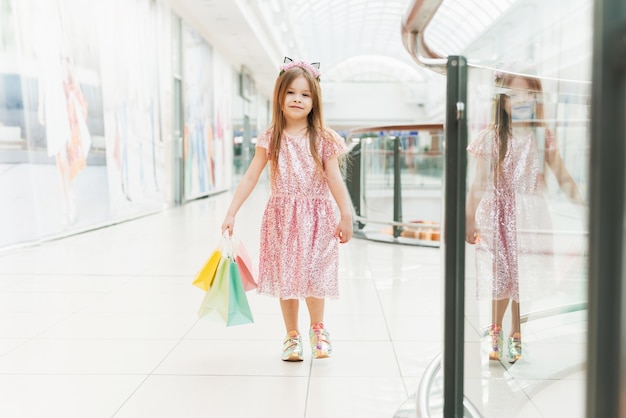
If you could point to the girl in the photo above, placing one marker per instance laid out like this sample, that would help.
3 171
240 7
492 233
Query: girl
507 215
299 231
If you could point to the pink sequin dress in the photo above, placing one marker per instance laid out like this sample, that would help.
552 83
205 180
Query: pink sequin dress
299 255
512 219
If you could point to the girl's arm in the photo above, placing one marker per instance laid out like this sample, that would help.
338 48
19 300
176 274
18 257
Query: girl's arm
245 187
563 177
340 193
476 192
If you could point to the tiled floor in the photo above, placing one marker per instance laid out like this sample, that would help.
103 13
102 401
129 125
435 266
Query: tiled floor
104 324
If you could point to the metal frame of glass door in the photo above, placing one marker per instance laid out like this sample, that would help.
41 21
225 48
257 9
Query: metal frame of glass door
607 318
454 236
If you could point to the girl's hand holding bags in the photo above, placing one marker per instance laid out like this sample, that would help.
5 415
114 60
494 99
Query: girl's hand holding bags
226 276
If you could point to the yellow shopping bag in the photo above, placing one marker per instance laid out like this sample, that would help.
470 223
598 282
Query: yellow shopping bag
204 278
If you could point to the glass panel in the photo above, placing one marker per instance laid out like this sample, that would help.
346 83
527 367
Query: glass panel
458 22
7 30
415 187
177 48
526 257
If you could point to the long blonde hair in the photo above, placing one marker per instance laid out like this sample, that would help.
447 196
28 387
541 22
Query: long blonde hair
315 119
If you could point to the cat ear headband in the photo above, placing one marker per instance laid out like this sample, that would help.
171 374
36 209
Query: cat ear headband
313 67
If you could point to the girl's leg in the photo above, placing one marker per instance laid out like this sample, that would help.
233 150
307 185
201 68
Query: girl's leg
320 339
498 308
516 326
514 342
292 344
316 310
290 308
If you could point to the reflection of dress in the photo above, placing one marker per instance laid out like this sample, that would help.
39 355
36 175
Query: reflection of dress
78 146
512 218
299 253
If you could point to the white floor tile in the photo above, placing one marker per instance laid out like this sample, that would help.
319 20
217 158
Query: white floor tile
8 344
8 281
45 302
73 356
549 395
69 284
499 397
355 296
231 358
110 318
218 396
363 397
123 325
265 327
357 327
358 359
28 325
176 302
156 284
265 304
414 357
64 396
405 327
402 299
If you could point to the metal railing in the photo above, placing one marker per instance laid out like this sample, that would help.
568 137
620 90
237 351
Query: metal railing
423 400
401 165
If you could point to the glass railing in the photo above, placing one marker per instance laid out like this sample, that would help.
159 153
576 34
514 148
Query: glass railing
395 178
527 270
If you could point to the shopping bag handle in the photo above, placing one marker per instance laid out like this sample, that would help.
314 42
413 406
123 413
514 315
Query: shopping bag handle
227 245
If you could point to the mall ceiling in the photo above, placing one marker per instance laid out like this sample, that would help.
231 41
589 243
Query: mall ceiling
353 39
361 40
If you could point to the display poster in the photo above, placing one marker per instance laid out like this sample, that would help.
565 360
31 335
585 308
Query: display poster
53 175
199 142
135 146
80 138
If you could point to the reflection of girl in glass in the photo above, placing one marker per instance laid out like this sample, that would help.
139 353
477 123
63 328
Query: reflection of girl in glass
507 214
62 110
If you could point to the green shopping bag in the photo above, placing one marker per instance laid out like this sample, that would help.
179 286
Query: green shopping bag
216 299
238 308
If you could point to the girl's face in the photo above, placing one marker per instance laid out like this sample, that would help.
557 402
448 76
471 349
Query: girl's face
522 100
298 100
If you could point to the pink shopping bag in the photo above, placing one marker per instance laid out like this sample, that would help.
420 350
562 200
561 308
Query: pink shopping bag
247 271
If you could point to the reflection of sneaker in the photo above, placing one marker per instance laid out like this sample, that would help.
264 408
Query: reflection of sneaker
514 347
495 341
292 346
320 341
